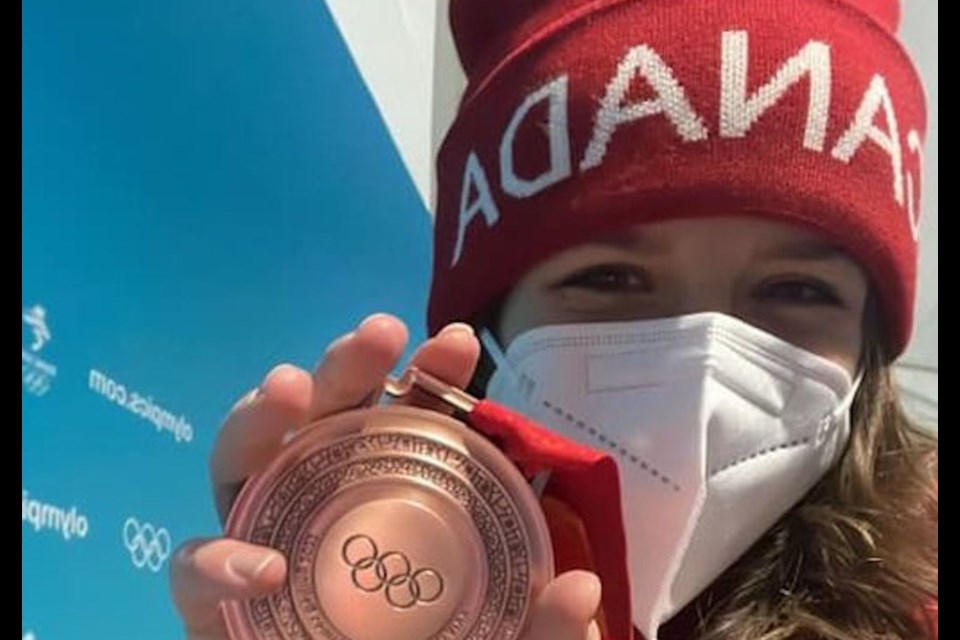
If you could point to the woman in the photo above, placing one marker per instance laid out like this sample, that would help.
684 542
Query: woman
688 233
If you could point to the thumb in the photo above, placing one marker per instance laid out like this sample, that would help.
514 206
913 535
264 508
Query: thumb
565 609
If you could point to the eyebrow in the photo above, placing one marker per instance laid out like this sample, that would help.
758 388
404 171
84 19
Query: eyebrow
806 250
631 240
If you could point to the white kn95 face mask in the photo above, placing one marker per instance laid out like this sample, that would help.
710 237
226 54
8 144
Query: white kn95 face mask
718 429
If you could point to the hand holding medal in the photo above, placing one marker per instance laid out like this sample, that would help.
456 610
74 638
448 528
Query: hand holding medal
373 545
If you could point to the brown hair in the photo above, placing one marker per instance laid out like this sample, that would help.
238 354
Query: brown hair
857 558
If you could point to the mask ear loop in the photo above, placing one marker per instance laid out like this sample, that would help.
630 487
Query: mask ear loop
847 401
840 417
502 365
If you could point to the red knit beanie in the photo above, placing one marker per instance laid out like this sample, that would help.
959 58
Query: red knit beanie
584 115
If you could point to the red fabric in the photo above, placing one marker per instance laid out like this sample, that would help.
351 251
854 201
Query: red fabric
581 477
488 31
571 544
648 172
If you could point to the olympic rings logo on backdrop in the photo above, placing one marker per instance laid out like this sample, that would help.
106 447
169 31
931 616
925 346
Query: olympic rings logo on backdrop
149 546
391 571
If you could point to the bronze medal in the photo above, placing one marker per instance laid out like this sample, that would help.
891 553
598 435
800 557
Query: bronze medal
396 522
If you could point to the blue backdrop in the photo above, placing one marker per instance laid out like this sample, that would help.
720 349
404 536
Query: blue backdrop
207 190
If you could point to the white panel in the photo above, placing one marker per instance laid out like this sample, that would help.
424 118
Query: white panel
392 43
918 371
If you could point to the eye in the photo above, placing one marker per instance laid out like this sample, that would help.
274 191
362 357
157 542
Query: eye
607 278
799 291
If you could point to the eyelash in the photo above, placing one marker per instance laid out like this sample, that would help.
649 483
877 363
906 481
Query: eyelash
606 278
824 293
615 278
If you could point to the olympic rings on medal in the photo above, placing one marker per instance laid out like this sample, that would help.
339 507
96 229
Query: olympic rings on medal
392 571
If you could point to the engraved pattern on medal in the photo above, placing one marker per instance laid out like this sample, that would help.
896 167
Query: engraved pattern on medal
283 522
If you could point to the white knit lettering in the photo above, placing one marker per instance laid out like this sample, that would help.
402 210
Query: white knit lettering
738 111
556 93
671 101
875 98
474 179
913 194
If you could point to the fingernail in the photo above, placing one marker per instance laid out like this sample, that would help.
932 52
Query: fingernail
183 554
457 327
373 317
593 631
248 567
288 436
248 399
340 341
590 585
277 369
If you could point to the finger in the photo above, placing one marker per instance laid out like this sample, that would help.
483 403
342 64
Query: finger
255 429
451 356
565 608
290 399
205 572
354 367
